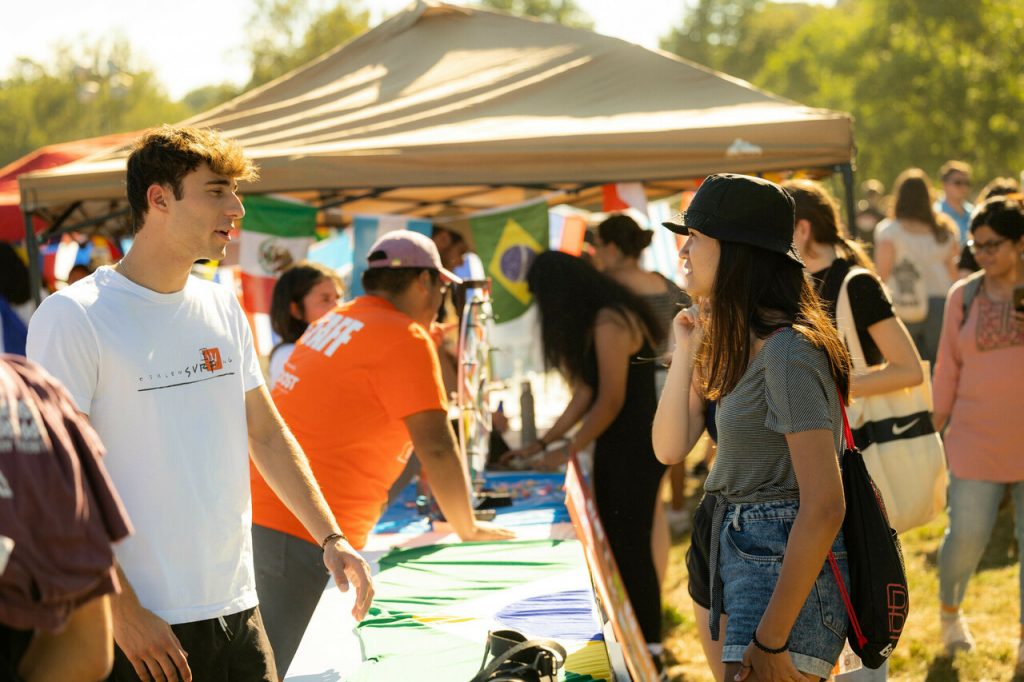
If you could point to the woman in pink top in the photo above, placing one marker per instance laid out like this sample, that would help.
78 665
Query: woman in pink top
978 395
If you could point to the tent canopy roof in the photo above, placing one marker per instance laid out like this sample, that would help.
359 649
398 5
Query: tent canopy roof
440 96
12 223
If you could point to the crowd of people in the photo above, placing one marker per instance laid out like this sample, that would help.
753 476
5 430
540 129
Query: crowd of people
230 500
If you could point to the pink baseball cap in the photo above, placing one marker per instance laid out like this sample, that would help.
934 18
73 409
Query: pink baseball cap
407 249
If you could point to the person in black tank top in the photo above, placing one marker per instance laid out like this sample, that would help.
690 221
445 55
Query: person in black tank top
602 338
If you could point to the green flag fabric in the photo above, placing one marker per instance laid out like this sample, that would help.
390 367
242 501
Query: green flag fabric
507 241
434 606
278 217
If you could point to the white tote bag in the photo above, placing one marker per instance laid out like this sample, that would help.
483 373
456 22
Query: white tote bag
895 433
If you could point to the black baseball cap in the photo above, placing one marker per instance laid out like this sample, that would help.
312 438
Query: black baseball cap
742 208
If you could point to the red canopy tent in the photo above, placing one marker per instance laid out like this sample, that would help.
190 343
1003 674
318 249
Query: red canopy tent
12 221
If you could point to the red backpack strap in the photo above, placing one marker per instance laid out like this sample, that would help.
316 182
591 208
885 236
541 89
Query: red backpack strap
847 433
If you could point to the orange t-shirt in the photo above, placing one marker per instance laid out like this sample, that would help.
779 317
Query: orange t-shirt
354 376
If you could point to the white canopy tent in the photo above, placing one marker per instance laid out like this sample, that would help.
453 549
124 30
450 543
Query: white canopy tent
449 106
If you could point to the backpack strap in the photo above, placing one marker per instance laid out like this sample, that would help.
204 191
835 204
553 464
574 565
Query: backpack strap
845 322
847 602
971 289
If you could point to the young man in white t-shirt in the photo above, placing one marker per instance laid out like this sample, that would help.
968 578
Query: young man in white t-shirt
163 364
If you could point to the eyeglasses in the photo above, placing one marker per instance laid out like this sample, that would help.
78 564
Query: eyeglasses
985 247
960 182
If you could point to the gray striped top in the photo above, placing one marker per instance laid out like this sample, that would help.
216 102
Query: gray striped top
787 388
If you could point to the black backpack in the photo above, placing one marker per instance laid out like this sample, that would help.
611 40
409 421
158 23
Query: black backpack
878 601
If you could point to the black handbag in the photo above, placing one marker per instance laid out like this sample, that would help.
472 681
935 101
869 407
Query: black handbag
878 600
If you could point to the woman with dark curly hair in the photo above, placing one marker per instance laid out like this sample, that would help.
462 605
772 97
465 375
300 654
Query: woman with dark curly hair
602 339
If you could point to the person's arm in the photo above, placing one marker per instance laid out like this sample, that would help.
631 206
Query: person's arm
817 523
885 257
953 258
903 363
82 652
284 467
614 342
948 359
582 396
675 427
146 640
435 446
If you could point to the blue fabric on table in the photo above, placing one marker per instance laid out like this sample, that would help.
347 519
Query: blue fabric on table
563 614
539 498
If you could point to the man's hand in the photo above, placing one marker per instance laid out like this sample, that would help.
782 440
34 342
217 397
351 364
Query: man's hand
347 566
149 643
484 532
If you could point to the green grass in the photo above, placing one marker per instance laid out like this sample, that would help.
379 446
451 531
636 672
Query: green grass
991 608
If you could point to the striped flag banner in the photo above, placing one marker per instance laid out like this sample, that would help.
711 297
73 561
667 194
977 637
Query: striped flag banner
367 229
567 232
663 253
276 232
622 195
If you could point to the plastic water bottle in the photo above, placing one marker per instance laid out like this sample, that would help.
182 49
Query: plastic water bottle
528 431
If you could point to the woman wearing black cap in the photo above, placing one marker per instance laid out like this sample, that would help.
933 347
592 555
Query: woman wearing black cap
767 352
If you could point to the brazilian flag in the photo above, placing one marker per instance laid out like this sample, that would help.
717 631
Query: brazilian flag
507 241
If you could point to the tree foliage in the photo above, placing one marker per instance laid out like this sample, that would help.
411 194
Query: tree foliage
285 34
87 90
565 12
926 80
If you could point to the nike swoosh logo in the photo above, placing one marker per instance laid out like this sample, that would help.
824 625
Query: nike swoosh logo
900 430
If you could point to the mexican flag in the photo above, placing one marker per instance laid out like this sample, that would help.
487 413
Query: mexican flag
366 230
507 241
276 232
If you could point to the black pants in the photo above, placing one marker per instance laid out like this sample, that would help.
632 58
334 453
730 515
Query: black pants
626 483
235 651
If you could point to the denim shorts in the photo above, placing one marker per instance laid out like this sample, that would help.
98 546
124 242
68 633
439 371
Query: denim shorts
752 545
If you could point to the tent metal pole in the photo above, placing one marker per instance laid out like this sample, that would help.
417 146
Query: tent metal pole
89 222
851 209
56 224
35 277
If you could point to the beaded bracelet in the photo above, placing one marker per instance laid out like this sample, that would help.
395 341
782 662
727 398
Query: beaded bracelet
329 538
767 650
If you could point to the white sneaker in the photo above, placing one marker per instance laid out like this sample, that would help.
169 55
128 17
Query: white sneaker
956 636
678 520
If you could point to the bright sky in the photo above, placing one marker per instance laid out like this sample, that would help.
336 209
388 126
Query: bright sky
209 49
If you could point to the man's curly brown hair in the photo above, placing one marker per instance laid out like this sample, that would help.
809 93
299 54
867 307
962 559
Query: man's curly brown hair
165 155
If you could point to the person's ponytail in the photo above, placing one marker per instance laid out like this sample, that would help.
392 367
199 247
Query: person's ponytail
854 251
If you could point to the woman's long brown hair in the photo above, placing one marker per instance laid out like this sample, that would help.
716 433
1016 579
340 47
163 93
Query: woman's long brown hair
818 207
755 293
914 202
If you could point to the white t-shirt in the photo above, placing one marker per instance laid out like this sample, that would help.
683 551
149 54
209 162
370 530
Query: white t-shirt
163 379
279 356
929 256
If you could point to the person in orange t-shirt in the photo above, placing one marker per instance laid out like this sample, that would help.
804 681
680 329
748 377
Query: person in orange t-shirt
361 391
